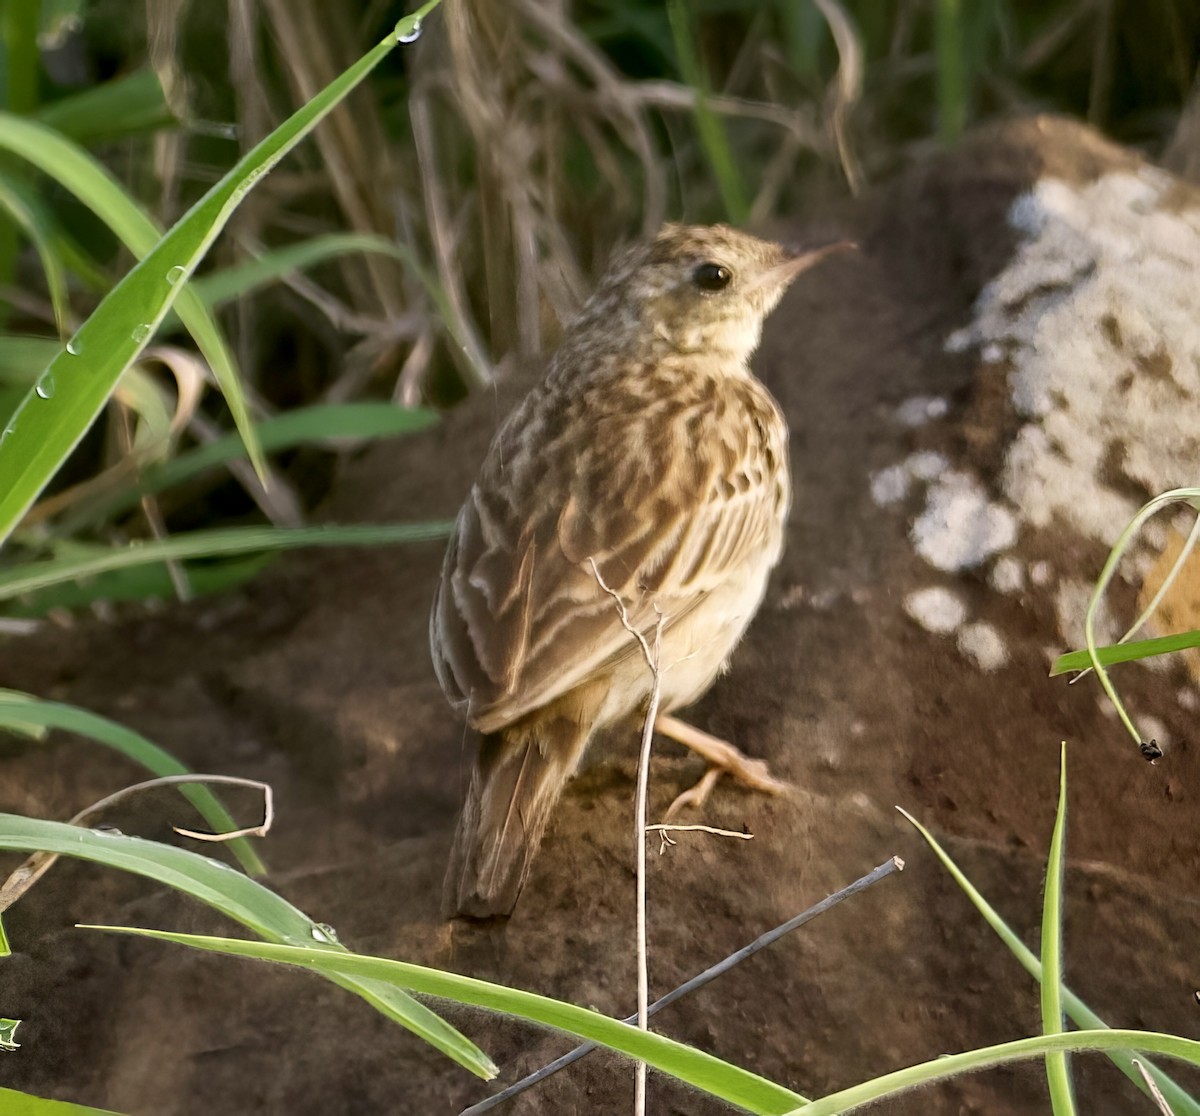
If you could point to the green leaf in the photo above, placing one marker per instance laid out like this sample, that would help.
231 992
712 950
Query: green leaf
210 544
701 1070
138 583
31 217
78 382
8 1031
322 422
242 279
1057 1073
1181 1102
242 899
125 106
81 174
951 1065
22 357
13 1103
20 711
1125 652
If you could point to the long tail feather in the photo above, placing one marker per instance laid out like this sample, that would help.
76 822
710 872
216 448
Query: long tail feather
518 779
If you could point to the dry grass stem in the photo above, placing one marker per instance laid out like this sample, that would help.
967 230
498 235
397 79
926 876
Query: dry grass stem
1155 1092
39 863
643 780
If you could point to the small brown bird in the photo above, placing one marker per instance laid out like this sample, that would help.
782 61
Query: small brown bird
650 462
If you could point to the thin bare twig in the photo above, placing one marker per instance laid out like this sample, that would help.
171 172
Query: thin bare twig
699 981
37 865
664 831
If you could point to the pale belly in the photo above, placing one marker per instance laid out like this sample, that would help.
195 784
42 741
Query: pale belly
695 649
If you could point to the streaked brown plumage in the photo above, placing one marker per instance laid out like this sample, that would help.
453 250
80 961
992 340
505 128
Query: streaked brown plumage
650 450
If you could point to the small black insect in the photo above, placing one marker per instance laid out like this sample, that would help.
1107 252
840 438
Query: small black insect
1151 751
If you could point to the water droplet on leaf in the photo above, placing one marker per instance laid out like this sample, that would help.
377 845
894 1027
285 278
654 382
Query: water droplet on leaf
323 932
142 332
175 274
411 35
74 347
45 387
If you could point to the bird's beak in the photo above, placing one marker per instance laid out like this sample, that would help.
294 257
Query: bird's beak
781 274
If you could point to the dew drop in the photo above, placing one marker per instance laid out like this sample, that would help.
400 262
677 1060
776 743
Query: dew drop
74 347
323 932
175 274
142 332
45 387
411 35
107 831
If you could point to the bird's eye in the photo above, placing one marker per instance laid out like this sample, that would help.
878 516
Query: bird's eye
712 277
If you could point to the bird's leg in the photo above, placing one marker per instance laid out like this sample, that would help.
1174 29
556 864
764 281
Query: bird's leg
722 758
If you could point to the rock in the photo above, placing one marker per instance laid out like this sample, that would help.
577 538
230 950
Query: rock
979 400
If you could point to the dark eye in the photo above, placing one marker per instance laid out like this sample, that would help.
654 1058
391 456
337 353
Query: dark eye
712 277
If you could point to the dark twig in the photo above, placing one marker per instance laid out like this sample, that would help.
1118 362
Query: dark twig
709 974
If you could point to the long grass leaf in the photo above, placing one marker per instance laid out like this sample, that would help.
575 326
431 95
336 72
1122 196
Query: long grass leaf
684 1062
1057 1072
951 1065
13 1103
1082 1015
21 710
1125 652
79 172
315 425
66 400
242 899
212 544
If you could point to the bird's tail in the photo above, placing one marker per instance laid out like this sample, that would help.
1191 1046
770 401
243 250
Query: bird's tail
518 778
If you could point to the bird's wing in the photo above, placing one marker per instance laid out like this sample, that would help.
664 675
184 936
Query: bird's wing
662 503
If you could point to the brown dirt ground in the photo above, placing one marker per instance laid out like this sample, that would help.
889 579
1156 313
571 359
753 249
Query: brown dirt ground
317 678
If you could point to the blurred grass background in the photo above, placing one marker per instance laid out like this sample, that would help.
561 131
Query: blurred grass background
446 220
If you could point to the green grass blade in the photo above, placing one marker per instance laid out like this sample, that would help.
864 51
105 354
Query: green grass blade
22 357
211 544
55 415
950 43
19 710
1082 1015
31 218
125 106
683 1062
77 171
1125 652
242 279
1057 1072
319 423
986 1057
242 899
138 583
13 1103
708 124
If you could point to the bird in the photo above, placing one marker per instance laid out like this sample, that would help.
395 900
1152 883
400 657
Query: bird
641 487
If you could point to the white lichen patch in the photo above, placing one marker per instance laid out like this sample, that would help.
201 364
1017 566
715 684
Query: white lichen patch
982 643
921 409
1070 604
936 609
926 465
960 527
890 485
1008 575
1098 313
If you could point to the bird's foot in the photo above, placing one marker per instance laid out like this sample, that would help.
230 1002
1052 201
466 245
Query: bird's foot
723 758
